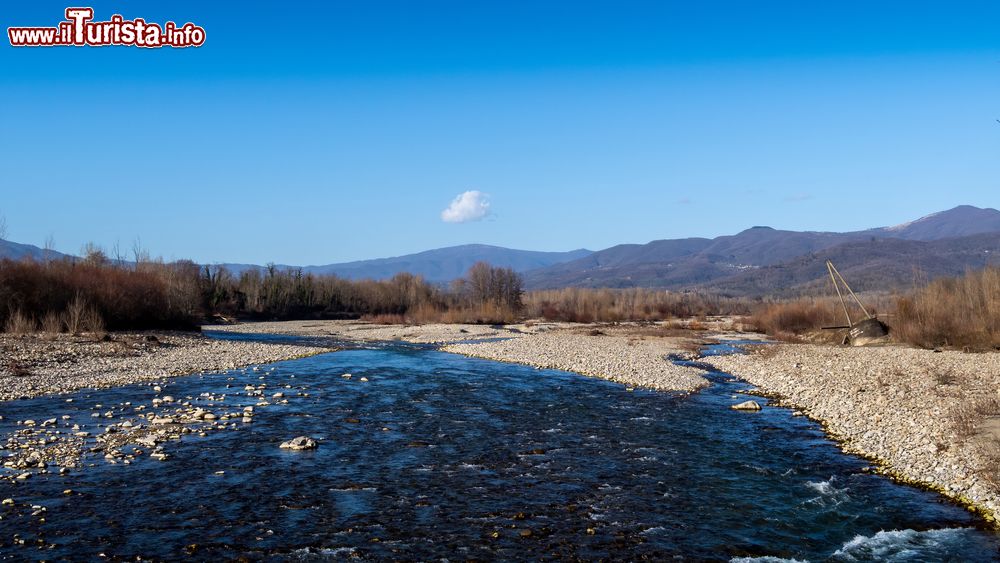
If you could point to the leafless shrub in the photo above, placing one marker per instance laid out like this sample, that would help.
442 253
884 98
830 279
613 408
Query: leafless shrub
20 323
961 313
585 305
52 323
946 377
969 415
790 319
385 319
991 466
92 321
75 311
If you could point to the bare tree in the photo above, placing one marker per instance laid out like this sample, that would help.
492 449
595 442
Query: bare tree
48 250
118 254
139 255
94 254
501 287
3 226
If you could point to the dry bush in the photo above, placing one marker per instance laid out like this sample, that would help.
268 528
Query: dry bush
20 323
946 377
616 305
790 319
969 415
74 314
52 323
961 313
92 321
385 319
152 297
991 467
425 313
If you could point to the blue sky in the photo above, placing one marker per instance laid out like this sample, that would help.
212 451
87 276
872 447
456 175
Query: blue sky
309 133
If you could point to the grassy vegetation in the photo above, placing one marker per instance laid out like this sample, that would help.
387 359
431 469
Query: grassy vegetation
616 305
960 313
790 320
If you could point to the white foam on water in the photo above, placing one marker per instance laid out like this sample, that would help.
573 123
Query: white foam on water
828 493
323 553
766 559
651 531
826 488
902 545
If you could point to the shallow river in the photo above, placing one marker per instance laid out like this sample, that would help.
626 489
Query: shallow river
442 456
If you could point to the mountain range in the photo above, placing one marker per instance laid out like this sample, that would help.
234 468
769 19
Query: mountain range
755 262
765 260
439 265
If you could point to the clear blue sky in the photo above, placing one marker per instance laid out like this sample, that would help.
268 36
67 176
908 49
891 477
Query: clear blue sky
309 133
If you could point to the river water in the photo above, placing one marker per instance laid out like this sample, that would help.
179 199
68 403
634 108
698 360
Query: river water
439 456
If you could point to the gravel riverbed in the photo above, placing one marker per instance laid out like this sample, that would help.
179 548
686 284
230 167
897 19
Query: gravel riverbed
927 418
625 360
361 331
33 365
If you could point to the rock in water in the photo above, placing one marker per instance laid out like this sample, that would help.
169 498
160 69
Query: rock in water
747 406
300 443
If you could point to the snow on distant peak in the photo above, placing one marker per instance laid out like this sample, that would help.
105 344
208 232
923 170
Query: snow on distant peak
903 226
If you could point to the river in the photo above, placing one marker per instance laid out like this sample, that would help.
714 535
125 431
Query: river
438 456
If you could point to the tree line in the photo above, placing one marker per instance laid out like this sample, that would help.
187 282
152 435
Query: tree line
152 294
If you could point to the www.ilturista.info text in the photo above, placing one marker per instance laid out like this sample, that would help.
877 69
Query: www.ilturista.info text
79 29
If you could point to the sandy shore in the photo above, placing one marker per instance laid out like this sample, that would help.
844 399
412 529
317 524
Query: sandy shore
33 365
928 418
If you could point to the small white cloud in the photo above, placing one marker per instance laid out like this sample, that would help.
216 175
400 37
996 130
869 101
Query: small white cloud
468 206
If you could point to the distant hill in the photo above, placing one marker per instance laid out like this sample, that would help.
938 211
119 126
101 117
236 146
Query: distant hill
960 221
727 263
684 262
876 264
17 251
439 265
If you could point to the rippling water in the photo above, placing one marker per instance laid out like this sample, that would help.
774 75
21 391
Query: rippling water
441 456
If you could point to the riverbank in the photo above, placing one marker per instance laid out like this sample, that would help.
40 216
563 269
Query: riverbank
622 359
928 418
627 353
36 365
361 331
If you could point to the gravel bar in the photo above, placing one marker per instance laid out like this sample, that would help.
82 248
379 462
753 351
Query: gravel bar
629 361
33 365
